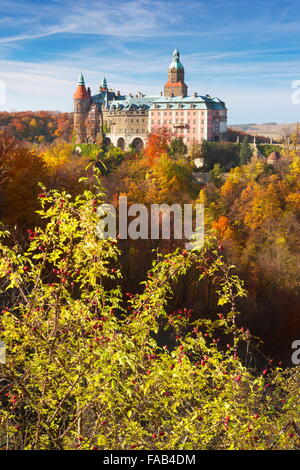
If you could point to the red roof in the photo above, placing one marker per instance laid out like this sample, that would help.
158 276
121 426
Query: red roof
274 156
81 93
174 84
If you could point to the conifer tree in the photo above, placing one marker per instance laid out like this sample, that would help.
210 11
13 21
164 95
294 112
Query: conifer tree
245 152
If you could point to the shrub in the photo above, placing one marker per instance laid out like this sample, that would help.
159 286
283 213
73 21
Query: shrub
87 370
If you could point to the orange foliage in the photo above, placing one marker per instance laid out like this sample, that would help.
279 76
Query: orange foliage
158 144
37 126
223 227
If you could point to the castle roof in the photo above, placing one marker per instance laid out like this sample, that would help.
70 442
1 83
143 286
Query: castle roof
127 103
197 102
132 102
105 97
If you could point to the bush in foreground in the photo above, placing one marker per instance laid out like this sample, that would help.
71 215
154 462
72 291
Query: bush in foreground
86 370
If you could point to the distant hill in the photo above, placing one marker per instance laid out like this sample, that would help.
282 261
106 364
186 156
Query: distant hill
270 129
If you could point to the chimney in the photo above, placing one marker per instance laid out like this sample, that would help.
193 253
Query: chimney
161 93
89 91
195 94
118 93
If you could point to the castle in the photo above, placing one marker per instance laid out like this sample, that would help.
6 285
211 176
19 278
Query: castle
127 120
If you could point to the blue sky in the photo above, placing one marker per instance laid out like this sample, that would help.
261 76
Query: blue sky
244 52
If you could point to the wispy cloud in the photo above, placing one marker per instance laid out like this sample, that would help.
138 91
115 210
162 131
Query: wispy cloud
37 35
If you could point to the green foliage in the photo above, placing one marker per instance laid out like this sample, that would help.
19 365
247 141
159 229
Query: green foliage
177 147
86 370
216 173
267 149
88 150
113 157
225 154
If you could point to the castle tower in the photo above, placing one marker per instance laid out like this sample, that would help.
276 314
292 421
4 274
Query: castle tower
175 85
82 101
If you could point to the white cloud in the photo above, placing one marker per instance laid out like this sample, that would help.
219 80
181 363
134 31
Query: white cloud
49 32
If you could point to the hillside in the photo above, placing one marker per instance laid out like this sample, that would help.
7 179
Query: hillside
37 126
272 130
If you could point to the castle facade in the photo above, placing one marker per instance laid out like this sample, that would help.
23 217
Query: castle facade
126 120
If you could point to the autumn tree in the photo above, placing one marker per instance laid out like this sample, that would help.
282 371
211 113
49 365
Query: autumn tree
157 144
22 169
86 370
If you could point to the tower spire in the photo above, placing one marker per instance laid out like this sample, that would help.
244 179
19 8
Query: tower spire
81 92
81 79
176 61
103 85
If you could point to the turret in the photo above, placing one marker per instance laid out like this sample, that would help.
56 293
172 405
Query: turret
81 96
82 102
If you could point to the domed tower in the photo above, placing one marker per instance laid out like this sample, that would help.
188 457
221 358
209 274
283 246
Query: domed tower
175 85
82 103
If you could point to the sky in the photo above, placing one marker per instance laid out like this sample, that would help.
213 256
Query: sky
245 52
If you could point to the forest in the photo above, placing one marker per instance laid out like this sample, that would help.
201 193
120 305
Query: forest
143 344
